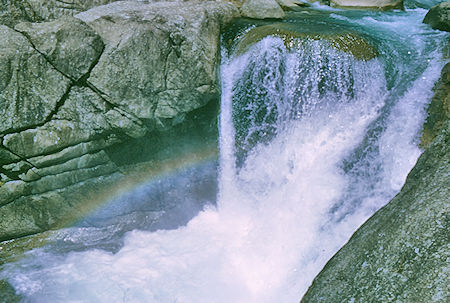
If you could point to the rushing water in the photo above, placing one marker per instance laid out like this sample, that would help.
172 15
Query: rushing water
312 142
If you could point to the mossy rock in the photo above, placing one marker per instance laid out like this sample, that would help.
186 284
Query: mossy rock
12 251
438 17
8 294
348 42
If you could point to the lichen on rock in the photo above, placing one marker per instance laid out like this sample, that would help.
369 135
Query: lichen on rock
158 49
16 11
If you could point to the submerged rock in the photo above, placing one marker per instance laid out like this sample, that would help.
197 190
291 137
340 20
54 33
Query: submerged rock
438 17
165 53
291 34
372 4
262 9
401 253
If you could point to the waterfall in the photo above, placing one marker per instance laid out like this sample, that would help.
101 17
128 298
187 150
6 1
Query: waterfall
312 142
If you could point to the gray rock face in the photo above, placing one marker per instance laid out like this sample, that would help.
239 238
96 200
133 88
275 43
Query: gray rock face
262 9
401 253
69 44
74 88
291 5
373 4
16 11
438 17
166 54
30 87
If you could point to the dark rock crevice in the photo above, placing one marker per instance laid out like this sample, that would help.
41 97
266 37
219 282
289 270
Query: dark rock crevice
66 179
24 159
112 82
56 208
43 55
111 135
58 105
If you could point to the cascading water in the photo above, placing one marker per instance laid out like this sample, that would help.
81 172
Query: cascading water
312 142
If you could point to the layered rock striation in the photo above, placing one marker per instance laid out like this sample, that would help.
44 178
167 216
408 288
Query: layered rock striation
74 88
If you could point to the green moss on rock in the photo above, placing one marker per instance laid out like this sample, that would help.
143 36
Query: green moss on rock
292 35
8 294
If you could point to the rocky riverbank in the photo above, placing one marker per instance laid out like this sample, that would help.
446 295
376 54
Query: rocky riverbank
89 93
401 253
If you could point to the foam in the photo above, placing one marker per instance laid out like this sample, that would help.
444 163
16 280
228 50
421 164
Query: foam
274 227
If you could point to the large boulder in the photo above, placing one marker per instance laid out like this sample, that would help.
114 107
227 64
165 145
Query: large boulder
292 5
401 253
262 9
77 94
165 53
371 4
438 17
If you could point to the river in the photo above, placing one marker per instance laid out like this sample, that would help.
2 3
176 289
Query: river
312 141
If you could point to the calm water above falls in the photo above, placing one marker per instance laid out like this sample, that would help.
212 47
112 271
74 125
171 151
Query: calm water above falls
312 142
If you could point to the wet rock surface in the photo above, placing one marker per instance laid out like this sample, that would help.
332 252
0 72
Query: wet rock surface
401 253
371 4
438 17
8 293
345 41
439 108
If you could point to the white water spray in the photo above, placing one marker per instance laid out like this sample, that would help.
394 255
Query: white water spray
274 227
